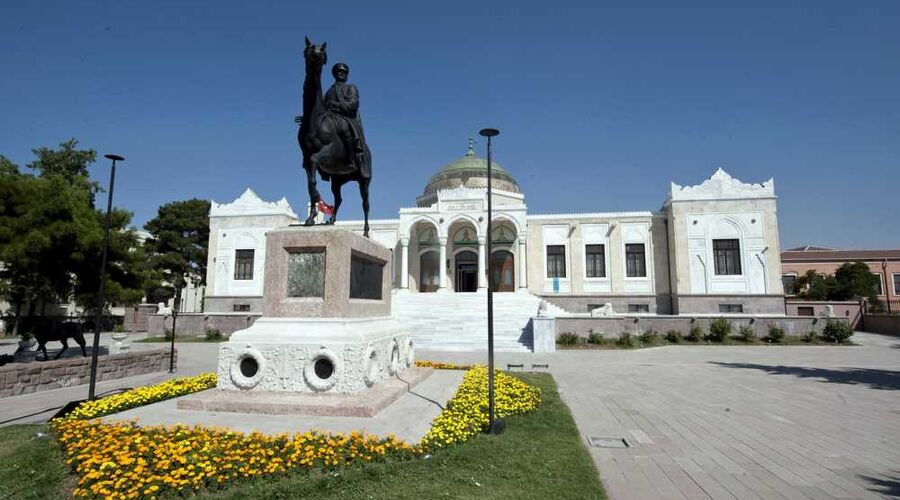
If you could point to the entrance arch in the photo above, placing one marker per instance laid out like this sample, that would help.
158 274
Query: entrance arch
503 271
466 272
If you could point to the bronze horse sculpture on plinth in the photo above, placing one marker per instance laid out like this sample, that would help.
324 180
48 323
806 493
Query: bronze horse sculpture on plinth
331 136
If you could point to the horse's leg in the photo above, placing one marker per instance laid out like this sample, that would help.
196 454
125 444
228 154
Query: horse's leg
65 343
364 193
314 196
336 191
79 338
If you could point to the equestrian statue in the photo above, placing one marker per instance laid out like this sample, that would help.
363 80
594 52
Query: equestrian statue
331 136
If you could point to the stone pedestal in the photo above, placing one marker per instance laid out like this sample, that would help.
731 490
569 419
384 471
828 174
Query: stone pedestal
326 325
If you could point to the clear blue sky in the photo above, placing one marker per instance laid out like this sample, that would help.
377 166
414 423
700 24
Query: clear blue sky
620 98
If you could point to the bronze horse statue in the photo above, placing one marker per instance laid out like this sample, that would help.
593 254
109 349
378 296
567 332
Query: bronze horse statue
325 149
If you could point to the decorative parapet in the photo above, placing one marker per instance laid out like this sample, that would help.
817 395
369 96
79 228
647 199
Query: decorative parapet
248 204
721 186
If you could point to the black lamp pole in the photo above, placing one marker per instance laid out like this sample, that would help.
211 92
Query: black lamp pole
174 319
100 297
498 426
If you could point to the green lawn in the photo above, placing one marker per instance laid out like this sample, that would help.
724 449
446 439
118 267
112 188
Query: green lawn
32 466
541 455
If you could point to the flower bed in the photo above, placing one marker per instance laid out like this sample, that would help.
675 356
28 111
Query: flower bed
123 460
440 365
142 396
466 414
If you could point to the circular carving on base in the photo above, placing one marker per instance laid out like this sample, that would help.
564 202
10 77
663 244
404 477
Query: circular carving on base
248 368
371 366
322 371
394 367
410 353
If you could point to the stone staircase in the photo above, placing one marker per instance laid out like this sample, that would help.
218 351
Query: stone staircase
458 321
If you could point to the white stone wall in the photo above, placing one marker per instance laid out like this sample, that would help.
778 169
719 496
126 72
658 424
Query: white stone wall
241 225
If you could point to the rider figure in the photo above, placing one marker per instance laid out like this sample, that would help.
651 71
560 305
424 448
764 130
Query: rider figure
342 99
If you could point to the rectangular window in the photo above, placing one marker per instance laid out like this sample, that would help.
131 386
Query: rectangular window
243 264
731 308
788 280
595 261
635 261
240 307
879 290
727 254
897 284
556 261
805 311
638 308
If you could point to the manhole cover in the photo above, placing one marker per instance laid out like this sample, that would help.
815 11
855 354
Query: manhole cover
608 442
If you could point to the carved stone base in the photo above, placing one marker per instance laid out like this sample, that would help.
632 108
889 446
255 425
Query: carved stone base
314 355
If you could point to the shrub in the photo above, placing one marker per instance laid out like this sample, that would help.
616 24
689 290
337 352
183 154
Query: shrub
167 333
567 338
696 334
213 334
747 334
625 340
837 331
595 338
673 336
811 336
649 337
776 333
119 328
719 330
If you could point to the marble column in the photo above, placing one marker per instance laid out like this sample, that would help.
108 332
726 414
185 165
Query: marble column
523 268
482 264
442 265
404 263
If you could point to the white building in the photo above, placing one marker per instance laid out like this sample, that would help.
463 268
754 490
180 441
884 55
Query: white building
711 249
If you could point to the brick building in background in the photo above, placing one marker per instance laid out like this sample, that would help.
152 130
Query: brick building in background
883 263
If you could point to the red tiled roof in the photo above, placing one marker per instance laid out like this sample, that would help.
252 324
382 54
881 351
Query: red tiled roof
839 255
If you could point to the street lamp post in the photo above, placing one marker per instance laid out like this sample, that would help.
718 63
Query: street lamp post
174 319
100 294
494 426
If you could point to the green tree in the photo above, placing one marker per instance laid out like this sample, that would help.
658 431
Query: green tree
66 162
51 235
855 281
179 236
126 269
814 286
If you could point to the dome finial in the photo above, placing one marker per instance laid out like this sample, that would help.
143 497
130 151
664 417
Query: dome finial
471 151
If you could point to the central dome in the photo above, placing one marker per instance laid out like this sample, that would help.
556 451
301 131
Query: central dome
469 171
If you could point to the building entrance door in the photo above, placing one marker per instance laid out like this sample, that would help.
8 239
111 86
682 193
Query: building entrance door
466 272
503 271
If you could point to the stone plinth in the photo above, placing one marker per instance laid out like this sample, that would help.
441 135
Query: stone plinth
293 288
366 404
326 326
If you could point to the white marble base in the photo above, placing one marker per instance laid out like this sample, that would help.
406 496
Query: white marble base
281 354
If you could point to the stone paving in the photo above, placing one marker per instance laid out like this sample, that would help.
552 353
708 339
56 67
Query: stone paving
738 422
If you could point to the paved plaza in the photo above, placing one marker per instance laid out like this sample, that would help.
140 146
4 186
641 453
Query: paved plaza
737 422
702 422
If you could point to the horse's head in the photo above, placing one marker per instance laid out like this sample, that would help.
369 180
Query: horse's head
315 54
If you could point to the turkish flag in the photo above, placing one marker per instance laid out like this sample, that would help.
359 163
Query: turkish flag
325 208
